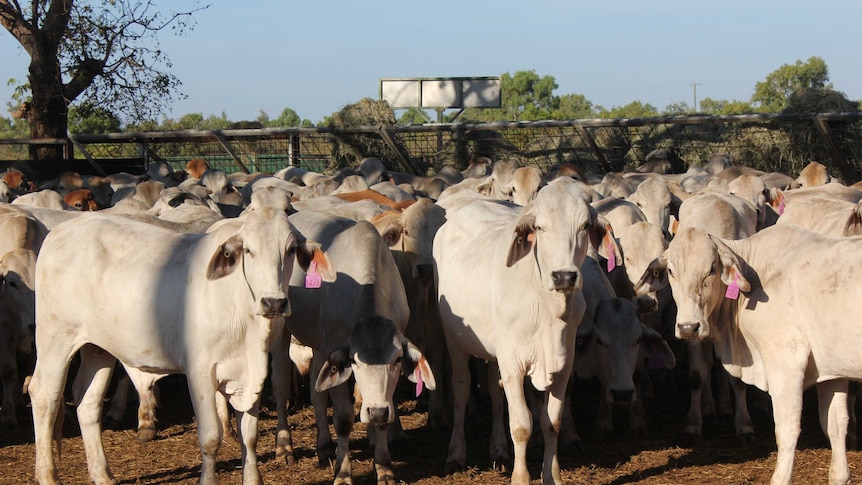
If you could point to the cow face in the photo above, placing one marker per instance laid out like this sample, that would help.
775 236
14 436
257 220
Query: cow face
614 345
264 249
376 356
414 232
699 269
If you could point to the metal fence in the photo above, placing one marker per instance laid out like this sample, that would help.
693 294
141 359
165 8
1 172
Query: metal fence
774 142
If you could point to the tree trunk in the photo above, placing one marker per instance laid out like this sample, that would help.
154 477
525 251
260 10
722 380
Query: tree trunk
48 109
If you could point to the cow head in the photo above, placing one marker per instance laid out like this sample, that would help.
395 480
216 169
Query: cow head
614 345
699 268
81 200
412 231
557 228
377 355
264 247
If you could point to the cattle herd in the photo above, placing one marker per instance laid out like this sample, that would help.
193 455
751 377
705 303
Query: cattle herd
499 280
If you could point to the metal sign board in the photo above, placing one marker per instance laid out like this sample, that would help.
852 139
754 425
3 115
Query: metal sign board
441 92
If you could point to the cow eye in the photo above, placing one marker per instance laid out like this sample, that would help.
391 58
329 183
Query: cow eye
399 360
14 285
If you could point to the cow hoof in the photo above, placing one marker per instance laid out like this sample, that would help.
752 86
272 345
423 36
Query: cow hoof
290 459
453 467
146 434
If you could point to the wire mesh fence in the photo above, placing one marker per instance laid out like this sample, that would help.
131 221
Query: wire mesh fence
784 143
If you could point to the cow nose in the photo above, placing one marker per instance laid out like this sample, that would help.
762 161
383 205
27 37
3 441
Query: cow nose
564 280
274 306
378 415
688 330
622 397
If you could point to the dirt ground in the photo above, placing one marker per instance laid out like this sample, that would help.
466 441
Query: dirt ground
663 457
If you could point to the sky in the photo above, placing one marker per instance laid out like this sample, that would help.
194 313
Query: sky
242 58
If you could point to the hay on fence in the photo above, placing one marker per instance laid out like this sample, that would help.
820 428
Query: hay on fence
806 141
348 149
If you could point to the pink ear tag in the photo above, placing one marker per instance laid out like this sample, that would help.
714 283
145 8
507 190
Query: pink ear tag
312 278
733 288
419 384
781 206
612 259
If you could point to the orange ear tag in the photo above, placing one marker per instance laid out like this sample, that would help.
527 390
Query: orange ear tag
733 288
312 278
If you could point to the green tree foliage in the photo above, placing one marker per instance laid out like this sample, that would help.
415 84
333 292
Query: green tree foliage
103 52
524 96
724 107
86 118
635 109
414 116
677 109
574 107
771 94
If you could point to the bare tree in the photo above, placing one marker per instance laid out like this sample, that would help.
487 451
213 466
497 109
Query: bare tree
105 52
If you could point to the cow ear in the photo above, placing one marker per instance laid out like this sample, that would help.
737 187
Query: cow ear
523 239
485 187
226 258
854 222
654 277
673 227
731 266
602 237
392 233
310 251
416 367
335 371
656 349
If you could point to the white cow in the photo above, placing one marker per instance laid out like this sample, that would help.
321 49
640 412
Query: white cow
781 308
731 217
410 235
510 292
355 325
162 303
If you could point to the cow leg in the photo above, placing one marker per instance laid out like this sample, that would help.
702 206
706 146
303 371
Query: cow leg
382 458
457 457
604 412
832 406
246 424
88 390
786 393
552 416
9 378
698 378
46 399
145 384
281 379
119 401
223 411
569 437
520 423
202 391
499 446
320 401
852 393
342 419
741 418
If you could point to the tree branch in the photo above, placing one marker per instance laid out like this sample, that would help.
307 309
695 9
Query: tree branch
12 19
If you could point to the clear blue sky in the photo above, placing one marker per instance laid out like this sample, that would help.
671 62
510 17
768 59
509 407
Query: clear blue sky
316 57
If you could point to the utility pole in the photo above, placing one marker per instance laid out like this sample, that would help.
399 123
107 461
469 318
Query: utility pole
694 85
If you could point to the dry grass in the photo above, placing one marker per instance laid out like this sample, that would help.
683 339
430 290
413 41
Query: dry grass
663 457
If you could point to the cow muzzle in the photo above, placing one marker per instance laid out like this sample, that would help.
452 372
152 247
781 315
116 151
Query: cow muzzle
624 396
688 330
566 281
274 307
376 414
